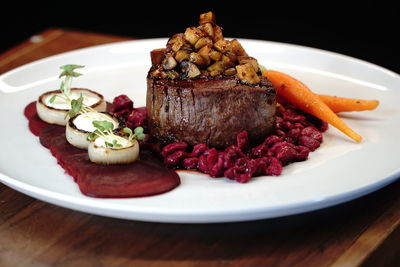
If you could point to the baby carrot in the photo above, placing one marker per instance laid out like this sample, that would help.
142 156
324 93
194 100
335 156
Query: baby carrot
343 104
299 95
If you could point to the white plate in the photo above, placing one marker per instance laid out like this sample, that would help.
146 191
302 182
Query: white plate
340 170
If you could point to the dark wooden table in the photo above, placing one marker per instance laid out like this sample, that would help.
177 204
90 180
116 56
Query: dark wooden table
365 231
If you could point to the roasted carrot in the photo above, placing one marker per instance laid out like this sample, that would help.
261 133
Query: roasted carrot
343 104
299 95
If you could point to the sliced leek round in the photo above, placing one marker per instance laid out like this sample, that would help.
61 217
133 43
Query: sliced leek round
79 127
55 112
101 154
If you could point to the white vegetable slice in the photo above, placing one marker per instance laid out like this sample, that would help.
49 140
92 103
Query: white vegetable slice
55 113
79 127
99 153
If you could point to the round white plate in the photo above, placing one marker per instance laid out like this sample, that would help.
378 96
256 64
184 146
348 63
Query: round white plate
340 170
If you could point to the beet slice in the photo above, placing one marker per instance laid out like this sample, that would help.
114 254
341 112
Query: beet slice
30 110
35 123
145 177
51 135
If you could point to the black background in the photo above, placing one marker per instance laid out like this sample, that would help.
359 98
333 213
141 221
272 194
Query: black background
366 31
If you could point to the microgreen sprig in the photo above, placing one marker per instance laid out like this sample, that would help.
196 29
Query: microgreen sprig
136 134
104 130
68 72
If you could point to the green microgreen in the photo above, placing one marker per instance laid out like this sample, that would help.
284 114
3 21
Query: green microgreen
68 72
76 107
104 129
103 126
136 134
53 98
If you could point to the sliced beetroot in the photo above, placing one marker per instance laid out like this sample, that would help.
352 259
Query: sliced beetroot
35 124
144 177
51 135
30 110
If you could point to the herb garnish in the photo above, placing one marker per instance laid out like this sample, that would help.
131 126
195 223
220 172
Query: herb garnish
68 72
136 134
76 104
104 130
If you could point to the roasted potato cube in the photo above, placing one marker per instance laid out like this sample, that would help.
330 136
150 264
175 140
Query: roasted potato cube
157 55
218 34
229 62
233 58
204 52
215 73
222 46
215 55
247 73
217 66
176 42
159 73
189 69
237 48
230 71
182 55
169 62
207 28
208 17
197 59
202 42
251 60
193 34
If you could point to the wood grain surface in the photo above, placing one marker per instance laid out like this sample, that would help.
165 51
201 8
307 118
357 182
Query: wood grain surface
363 232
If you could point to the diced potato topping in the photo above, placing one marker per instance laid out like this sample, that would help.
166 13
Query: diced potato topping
208 17
217 66
222 46
215 55
230 71
218 34
237 48
251 60
157 55
207 28
197 59
202 42
203 52
176 42
193 34
189 69
247 73
182 55
169 63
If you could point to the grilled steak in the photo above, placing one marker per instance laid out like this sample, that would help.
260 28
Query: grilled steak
203 88
210 111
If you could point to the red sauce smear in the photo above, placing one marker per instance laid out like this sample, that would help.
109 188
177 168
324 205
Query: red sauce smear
145 177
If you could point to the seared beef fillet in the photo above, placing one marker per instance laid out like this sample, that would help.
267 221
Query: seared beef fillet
209 110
